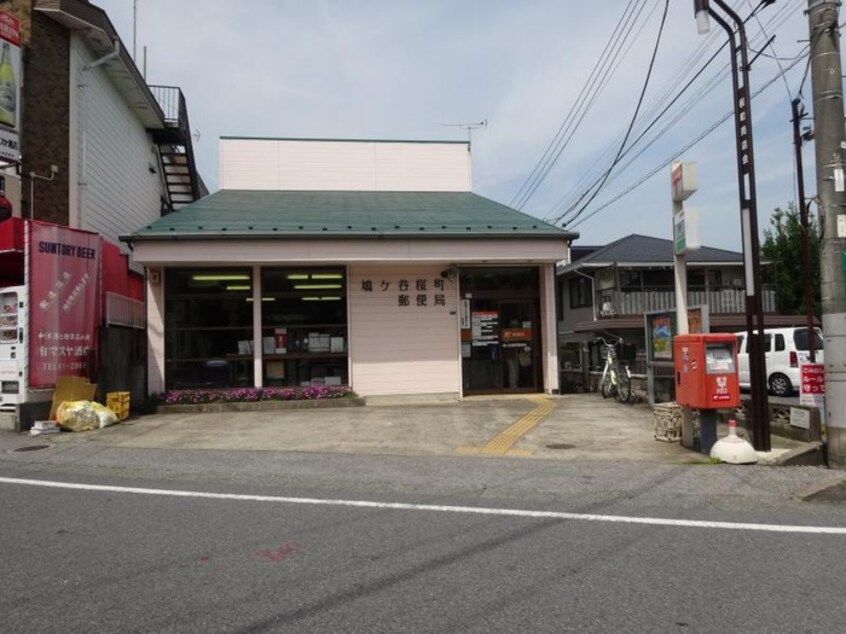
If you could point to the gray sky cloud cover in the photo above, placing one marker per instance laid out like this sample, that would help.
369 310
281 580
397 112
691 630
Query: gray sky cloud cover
403 69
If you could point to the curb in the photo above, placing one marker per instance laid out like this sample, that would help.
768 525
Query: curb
809 455
259 406
832 489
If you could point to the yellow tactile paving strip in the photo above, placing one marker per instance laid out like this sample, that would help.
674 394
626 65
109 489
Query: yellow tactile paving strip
503 443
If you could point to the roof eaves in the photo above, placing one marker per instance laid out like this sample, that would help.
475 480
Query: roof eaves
85 17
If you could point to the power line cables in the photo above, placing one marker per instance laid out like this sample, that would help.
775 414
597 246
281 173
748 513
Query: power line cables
688 145
616 160
567 216
596 82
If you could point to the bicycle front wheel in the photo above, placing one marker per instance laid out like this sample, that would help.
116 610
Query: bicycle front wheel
624 387
606 387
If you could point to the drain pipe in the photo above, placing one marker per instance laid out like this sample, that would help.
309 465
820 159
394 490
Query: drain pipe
105 58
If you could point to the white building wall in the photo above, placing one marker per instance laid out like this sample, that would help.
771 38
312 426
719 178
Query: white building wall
402 349
112 152
291 164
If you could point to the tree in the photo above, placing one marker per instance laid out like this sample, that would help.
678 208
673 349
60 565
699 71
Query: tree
782 250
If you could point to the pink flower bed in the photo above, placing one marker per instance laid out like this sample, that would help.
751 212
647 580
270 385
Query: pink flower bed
252 395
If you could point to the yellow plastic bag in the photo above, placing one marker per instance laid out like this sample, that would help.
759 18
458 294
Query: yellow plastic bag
84 416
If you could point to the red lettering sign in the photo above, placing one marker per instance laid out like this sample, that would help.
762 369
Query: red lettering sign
64 298
10 28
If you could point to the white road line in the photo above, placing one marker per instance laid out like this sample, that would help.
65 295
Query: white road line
399 506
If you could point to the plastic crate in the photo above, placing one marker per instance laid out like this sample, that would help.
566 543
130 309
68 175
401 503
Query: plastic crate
118 402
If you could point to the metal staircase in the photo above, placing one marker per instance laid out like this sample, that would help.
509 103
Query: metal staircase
176 153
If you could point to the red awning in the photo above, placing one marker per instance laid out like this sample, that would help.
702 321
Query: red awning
11 252
12 236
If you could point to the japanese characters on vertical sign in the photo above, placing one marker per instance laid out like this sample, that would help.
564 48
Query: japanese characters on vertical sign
812 384
64 298
420 292
10 83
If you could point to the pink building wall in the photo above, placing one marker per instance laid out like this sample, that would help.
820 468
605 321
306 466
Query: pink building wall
396 349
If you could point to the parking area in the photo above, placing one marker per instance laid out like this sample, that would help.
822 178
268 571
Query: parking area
569 427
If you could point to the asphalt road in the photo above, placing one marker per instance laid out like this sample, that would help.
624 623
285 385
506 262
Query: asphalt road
93 560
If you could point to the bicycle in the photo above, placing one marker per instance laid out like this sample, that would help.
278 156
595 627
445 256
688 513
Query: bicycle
616 379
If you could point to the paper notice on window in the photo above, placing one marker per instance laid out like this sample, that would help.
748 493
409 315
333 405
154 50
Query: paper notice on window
838 179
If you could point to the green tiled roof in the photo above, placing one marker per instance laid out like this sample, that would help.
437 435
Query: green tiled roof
336 214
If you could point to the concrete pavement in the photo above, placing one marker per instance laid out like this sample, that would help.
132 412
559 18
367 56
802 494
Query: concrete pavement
573 427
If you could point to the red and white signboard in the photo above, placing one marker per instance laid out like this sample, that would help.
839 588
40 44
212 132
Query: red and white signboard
812 384
10 86
64 299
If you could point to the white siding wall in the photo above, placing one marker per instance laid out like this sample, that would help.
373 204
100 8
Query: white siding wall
117 194
279 164
402 350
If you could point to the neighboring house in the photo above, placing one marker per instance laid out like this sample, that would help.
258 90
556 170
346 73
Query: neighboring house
122 148
100 151
359 262
606 290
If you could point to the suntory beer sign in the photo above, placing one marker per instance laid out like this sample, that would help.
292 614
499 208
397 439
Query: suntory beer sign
10 86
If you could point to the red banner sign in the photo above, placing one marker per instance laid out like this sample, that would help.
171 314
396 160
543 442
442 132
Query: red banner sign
64 297
10 28
812 387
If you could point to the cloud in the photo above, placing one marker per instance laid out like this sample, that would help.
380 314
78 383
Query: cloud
404 69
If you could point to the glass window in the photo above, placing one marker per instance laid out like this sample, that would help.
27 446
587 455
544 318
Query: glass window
304 326
800 339
631 280
208 328
658 279
779 342
522 281
580 293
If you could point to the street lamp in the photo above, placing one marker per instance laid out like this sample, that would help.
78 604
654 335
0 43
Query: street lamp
748 208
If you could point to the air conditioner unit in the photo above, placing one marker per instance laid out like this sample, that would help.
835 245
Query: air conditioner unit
607 309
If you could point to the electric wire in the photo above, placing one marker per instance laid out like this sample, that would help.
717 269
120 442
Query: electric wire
568 128
634 116
686 147
774 22
555 139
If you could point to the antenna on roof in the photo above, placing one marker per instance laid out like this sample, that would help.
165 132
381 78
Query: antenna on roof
469 127
134 27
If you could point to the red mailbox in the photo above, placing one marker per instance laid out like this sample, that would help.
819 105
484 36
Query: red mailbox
706 371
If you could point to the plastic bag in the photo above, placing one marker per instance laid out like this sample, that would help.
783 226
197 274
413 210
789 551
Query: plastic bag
84 416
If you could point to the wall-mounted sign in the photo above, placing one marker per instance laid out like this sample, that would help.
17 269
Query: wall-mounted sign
10 83
419 292
464 311
485 326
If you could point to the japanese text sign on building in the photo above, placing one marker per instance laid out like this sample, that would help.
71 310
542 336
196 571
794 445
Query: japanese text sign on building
64 299
10 84
419 292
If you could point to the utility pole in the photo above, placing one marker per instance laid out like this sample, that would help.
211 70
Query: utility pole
742 98
829 141
806 232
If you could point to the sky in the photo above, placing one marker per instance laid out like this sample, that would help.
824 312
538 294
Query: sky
408 69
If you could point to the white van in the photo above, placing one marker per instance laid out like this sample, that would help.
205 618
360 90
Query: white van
785 349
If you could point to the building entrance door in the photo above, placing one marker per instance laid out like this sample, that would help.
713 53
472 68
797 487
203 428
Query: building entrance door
500 349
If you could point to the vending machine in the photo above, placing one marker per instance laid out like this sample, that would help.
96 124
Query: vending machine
13 344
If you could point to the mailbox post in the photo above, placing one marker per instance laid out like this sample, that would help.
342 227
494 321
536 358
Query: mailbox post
706 379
